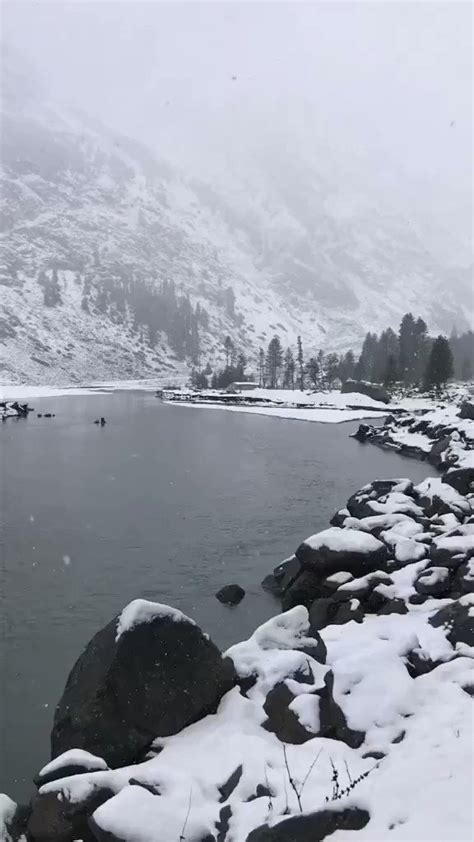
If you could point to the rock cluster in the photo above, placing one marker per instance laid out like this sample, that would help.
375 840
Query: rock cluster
443 437
13 409
394 544
362 387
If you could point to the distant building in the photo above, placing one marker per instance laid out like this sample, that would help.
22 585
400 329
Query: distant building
244 386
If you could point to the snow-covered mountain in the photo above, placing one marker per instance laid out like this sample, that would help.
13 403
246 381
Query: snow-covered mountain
301 254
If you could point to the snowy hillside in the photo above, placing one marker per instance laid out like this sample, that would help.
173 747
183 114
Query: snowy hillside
279 251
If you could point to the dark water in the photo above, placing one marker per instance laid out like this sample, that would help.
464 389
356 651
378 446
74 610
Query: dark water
165 502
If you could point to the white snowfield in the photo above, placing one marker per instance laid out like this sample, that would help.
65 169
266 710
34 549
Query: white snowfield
420 790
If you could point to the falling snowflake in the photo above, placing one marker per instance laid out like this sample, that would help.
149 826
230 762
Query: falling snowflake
67 560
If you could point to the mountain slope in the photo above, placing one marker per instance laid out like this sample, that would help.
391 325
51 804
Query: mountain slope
276 249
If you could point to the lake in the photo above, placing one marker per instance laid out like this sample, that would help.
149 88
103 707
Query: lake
164 502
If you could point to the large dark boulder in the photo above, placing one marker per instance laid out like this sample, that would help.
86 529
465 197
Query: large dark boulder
462 479
311 828
371 390
335 549
456 621
148 673
467 410
230 594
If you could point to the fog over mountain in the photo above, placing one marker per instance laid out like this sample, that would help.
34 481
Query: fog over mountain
313 158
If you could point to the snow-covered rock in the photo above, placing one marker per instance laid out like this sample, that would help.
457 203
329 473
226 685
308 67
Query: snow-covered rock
148 673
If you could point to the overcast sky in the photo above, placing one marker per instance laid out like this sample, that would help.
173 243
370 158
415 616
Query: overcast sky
385 86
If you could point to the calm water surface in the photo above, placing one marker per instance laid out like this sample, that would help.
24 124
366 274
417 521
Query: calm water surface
166 503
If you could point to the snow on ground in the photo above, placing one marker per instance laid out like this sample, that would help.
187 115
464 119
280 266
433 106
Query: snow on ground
324 416
419 791
13 391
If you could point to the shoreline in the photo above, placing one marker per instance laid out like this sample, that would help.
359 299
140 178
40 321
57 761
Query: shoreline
360 670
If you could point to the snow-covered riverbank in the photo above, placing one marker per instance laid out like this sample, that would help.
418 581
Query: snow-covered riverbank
327 407
324 721
443 436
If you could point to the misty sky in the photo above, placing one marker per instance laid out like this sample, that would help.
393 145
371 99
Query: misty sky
384 87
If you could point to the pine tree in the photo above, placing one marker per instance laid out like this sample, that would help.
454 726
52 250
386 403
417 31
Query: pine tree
366 364
313 371
387 347
390 375
347 366
228 349
332 369
300 361
241 366
261 367
408 343
421 350
289 370
440 364
274 361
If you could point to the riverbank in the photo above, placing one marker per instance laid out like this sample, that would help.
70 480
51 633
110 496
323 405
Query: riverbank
443 436
329 406
324 720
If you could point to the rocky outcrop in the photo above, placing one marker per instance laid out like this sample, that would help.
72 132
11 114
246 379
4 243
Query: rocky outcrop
444 437
350 570
148 673
13 409
371 390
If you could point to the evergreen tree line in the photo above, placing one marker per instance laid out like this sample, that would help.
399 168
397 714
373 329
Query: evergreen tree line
410 357
151 307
